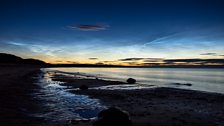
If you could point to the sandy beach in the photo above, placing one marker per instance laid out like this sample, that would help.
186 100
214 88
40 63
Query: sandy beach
15 99
165 106
146 107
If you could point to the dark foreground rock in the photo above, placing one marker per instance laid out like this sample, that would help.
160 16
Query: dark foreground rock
83 87
131 81
113 117
183 84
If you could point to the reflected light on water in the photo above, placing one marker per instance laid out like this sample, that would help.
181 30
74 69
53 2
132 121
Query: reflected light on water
59 104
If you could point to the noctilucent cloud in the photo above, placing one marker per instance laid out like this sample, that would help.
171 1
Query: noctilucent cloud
94 31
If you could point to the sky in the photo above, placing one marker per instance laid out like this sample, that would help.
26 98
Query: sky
113 31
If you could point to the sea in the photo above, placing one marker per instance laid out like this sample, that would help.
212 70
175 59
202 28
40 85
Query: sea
202 79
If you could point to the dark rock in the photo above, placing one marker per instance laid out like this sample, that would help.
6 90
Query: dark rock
177 83
185 84
131 81
113 117
83 87
188 84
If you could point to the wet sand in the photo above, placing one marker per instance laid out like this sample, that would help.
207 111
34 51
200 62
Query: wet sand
77 80
165 106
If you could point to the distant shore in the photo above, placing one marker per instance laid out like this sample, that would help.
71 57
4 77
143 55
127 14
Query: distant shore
120 66
147 107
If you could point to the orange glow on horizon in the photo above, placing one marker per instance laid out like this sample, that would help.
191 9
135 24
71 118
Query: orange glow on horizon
96 61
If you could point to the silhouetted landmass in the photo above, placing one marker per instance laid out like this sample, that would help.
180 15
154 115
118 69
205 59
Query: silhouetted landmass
9 58
33 61
6 59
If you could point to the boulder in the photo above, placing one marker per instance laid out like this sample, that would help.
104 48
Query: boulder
113 117
188 84
83 87
131 81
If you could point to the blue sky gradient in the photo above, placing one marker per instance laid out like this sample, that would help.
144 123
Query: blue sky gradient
108 30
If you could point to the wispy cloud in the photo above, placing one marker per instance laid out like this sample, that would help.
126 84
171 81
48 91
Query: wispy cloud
161 39
89 27
195 61
72 62
142 59
212 54
37 48
130 59
209 54
93 58
162 62
17 43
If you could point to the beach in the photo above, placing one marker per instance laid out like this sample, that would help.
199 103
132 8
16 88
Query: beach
146 107
15 99
156 106
165 106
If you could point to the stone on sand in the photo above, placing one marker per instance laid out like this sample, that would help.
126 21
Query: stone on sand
131 81
83 87
113 117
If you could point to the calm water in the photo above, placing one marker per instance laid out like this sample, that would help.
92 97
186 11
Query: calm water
211 80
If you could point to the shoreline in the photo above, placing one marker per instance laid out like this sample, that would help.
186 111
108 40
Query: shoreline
147 107
157 106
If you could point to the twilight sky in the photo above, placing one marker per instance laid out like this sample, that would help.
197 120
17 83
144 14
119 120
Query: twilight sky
112 31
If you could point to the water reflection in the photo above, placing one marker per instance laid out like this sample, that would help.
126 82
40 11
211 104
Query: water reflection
211 80
59 104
